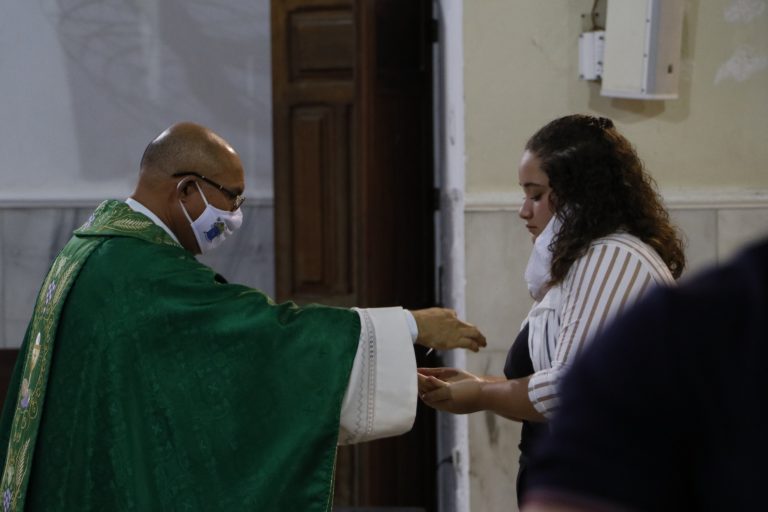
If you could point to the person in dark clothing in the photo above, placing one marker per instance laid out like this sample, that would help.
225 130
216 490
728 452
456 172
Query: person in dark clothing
665 410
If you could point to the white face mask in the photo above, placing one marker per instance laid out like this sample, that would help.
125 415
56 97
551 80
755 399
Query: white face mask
213 225
537 273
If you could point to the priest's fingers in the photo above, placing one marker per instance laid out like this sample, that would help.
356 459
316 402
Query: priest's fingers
465 336
458 341
441 328
472 344
474 335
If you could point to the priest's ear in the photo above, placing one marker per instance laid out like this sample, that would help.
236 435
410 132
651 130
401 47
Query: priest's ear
185 189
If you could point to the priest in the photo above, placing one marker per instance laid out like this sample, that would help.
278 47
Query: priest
147 382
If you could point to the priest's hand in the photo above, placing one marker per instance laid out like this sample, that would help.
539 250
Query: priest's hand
450 389
440 328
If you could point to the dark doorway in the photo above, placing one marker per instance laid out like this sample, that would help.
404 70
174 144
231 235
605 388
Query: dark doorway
354 193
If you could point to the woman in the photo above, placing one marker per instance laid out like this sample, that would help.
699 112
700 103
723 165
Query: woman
601 239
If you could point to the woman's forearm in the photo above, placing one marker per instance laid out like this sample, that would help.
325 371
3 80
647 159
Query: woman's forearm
509 398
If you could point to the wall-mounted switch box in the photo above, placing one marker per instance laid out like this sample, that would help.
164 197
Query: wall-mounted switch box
591 47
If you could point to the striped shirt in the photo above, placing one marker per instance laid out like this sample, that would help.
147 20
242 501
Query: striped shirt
614 273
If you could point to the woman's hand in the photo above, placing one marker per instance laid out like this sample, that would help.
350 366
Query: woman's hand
460 392
450 389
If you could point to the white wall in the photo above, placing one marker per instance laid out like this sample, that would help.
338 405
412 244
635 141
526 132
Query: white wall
84 86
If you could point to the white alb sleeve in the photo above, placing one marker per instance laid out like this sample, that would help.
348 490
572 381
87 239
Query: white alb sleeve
380 400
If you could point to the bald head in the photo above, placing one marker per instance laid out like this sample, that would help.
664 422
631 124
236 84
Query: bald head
187 147
172 171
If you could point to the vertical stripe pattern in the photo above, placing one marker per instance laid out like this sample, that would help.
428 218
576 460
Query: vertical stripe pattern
613 274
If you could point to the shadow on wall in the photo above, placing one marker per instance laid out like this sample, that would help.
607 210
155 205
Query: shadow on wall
136 67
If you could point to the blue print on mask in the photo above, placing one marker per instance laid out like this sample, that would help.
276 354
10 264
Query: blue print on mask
216 230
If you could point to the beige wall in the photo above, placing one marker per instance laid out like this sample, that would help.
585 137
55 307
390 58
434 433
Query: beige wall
707 150
521 70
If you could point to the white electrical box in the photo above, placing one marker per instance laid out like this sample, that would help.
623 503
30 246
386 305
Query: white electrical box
643 42
591 54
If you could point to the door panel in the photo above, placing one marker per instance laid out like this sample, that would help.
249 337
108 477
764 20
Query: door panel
321 43
354 193
313 105
320 184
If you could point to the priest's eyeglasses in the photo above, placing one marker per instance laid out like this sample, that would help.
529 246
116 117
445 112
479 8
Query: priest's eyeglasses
237 198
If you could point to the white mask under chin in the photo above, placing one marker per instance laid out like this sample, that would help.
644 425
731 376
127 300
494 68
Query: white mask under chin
537 273
213 226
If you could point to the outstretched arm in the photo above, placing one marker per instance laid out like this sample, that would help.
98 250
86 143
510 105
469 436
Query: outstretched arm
380 400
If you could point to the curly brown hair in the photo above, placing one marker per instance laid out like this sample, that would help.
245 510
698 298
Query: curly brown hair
599 186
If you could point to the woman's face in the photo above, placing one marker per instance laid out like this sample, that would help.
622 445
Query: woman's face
537 207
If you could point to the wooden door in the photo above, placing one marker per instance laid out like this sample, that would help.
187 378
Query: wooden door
354 194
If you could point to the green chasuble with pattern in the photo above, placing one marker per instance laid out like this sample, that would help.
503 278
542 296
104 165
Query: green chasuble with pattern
146 382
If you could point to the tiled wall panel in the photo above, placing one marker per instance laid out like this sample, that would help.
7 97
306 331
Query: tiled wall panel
32 237
497 249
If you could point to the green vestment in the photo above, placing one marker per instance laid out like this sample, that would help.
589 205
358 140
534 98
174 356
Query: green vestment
168 388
